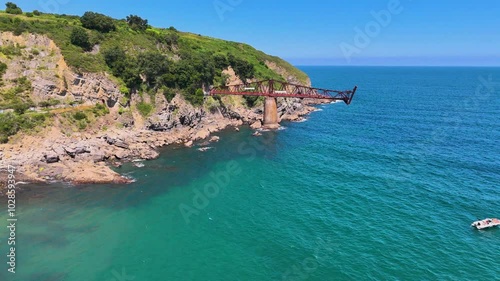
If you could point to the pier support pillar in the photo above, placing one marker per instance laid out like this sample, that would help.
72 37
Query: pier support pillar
271 114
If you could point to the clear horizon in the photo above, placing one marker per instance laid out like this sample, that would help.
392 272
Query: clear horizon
368 33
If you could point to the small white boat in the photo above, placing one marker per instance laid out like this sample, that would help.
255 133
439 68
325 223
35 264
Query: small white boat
486 223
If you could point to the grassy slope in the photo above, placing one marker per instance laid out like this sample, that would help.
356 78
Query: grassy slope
58 28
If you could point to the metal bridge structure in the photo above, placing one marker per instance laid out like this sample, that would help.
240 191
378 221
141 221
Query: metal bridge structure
272 89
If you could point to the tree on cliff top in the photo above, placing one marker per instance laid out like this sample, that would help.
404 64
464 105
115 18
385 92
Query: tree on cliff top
13 9
137 23
97 22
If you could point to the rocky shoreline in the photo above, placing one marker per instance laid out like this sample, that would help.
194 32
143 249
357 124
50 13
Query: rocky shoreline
87 157
65 151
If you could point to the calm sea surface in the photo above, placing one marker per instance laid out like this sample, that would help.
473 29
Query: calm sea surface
383 189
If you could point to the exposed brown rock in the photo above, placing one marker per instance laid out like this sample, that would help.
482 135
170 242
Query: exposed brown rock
256 125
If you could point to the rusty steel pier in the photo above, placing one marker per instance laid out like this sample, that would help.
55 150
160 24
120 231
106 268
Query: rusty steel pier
272 89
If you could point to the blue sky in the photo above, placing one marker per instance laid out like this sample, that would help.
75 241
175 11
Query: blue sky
335 32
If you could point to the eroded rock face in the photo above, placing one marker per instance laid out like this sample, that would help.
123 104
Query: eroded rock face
42 63
176 114
94 88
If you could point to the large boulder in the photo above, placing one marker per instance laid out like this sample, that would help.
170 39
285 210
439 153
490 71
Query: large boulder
98 157
201 134
122 154
121 144
256 125
74 151
51 157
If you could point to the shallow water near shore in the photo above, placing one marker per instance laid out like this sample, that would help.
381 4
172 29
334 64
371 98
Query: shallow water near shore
384 189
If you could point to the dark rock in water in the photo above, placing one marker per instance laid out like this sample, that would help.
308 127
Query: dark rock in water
205 143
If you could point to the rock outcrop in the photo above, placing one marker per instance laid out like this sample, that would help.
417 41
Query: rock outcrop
41 61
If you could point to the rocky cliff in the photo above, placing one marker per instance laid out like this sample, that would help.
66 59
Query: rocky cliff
68 148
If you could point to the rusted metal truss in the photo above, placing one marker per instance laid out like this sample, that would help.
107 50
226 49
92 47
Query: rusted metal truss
272 88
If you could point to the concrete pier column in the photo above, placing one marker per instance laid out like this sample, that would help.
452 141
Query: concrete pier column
271 114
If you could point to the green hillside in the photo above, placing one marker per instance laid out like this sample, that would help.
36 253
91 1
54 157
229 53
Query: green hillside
197 56
140 59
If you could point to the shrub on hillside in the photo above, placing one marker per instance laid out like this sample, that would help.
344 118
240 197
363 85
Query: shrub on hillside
144 108
113 56
137 23
168 93
13 9
97 22
169 38
21 27
100 110
80 116
153 65
194 96
80 37
251 100
3 69
11 123
243 69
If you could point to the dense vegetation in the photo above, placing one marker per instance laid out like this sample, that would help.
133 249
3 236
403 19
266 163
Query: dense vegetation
143 59
11 123
135 36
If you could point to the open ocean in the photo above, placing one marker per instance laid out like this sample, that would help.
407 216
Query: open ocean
383 189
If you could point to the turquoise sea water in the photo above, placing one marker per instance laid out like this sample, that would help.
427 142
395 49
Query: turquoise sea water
384 189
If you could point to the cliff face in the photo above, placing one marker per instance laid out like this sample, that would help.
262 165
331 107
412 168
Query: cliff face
71 149
41 61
